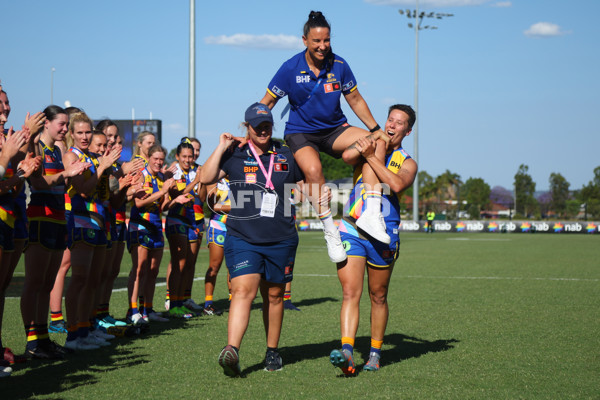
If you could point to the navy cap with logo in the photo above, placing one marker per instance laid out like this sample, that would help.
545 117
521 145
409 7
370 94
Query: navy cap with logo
257 113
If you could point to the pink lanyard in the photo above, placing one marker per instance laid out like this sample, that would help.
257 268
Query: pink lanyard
268 182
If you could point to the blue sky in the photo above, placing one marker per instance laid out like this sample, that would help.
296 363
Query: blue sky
501 83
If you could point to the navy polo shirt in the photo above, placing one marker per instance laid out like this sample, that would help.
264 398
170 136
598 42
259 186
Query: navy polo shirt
322 110
246 186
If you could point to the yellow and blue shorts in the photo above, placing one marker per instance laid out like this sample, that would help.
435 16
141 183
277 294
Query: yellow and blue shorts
215 236
376 253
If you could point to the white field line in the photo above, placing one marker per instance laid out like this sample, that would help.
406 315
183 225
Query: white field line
499 278
492 278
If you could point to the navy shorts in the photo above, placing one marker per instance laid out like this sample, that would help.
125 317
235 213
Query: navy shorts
92 237
7 237
195 233
21 231
273 261
120 233
146 239
320 141
50 235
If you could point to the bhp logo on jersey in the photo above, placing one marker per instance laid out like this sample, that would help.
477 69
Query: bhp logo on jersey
302 79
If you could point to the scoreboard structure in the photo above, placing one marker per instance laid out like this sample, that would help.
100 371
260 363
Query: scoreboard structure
129 129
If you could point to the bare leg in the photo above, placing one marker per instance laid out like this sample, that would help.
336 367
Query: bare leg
351 276
272 294
56 295
243 291
215 259
379 280
150 286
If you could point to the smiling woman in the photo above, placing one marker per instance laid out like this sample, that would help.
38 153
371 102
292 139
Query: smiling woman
261 242
314 81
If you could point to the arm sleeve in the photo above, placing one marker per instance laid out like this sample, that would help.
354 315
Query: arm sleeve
348 79
279 85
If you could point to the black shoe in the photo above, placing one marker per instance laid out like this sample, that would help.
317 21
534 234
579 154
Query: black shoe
42 353
211 310
288 305
54 347
273 361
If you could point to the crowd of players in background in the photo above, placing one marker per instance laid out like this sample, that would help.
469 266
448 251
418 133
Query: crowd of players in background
76 215
76 219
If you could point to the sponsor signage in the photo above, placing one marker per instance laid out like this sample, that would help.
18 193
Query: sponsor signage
482 226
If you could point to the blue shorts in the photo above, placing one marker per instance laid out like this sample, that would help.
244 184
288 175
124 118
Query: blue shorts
120 232
21 231
92 237
377 254
273 261
50 235
146 239
179 229
7 237
216 236
195 233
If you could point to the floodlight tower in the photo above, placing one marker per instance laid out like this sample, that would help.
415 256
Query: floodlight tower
418 16
52 85
192 73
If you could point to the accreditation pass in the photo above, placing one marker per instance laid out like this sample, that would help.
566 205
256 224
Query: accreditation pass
269 202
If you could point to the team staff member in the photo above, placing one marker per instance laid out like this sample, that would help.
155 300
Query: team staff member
261 242
398 172
314 81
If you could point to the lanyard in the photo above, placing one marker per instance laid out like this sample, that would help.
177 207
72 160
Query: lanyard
268 182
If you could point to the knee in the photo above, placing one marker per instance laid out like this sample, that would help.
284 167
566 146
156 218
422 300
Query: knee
212 271
378 296
275 299
351 293
313 173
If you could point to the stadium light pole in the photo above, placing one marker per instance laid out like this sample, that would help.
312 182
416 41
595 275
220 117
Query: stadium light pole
192 73
52 85
418 26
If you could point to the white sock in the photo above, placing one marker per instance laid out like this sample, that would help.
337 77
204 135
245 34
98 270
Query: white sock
373 202
327 220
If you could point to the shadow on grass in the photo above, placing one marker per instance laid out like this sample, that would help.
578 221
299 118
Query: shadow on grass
15 288
403 348
43 378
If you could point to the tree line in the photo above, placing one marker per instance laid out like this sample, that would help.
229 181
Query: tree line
447 193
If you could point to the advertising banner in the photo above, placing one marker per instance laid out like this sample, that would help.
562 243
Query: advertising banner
482 226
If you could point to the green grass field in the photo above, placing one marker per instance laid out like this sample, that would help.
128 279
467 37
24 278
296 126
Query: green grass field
472 316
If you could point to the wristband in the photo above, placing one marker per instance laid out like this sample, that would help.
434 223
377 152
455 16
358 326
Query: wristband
375 129
20 174
2 171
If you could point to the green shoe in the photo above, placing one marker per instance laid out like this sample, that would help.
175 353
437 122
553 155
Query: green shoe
373 363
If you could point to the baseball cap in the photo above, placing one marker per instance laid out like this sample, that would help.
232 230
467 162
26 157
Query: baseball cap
257 113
